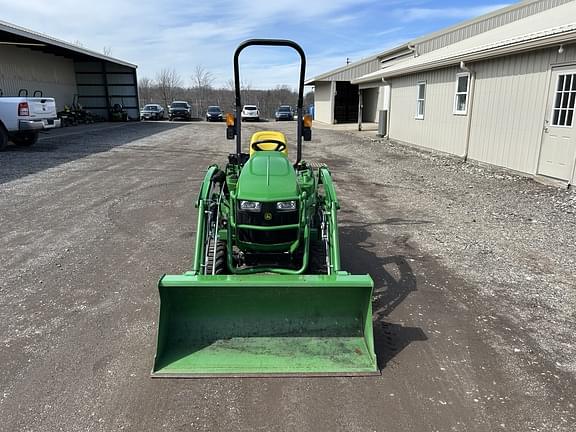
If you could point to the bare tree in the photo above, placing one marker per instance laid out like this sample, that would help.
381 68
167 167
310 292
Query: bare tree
202 81
145 90
107 50
168 81
202 78
243 85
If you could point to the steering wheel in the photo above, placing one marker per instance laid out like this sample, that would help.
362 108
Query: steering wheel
280 146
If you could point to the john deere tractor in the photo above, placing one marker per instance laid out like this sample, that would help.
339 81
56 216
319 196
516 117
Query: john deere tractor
266 294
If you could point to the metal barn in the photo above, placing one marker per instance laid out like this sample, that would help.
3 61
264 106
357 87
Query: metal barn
35 62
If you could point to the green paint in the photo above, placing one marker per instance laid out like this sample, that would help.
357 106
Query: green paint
265 324
267 176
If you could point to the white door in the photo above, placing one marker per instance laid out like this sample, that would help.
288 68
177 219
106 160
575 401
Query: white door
558 151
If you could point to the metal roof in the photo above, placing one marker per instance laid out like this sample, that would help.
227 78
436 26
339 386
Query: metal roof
469 28
554 26
22 36
328 75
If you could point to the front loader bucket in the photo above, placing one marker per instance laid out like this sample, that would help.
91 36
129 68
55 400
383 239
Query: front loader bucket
257 325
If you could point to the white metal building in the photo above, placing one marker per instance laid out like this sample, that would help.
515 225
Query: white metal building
505 96
337 100
498 89
35 62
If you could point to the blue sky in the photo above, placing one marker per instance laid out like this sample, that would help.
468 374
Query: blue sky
185 33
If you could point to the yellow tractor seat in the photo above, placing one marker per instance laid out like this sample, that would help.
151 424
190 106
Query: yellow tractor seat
274 138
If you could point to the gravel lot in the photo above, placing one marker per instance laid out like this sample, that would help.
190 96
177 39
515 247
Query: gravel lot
474 306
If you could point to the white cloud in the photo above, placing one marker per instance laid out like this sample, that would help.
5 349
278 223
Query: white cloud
181 34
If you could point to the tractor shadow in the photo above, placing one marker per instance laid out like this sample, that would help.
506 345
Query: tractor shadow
394 281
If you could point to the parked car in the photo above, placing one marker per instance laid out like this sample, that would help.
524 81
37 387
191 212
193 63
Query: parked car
284 112
214 113
250 112
152 112
22 118
179 109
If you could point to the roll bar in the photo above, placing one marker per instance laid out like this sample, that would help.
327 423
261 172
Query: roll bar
299 109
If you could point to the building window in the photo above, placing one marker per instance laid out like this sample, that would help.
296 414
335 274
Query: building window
461 97
420 97
564 101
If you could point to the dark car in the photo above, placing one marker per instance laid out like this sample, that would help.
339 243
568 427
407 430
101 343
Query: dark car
284 112
180 109
152 112
214 113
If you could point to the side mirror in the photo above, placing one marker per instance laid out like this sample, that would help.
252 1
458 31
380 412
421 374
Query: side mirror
230 126
307 128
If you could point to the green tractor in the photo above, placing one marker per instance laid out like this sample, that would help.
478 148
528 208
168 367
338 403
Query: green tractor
266 294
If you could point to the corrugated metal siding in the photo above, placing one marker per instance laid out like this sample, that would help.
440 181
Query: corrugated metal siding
509 108
487 24
356 71
353 71
33 70
441 129
323 102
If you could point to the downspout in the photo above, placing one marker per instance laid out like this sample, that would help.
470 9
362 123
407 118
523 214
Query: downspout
388 116
470 106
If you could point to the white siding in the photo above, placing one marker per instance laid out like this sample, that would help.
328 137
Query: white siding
324 102
33 70
440 129
509 108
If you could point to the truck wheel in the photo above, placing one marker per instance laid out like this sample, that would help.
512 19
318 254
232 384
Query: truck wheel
25 139
3 138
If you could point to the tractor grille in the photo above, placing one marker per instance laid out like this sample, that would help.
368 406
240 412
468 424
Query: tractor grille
259 219
278 218
268 237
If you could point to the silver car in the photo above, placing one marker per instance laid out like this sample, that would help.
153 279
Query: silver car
152 112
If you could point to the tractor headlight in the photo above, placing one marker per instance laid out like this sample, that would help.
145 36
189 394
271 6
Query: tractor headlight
286 206
253 206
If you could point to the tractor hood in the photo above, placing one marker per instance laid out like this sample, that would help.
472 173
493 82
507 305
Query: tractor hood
267 176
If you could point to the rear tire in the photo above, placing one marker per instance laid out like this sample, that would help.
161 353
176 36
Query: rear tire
317 258
25 139
219 261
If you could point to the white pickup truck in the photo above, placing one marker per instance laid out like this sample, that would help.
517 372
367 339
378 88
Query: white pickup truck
22 118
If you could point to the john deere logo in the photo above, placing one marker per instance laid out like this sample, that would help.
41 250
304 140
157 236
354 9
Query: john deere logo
267 216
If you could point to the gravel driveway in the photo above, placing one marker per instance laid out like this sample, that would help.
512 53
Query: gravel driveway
474 307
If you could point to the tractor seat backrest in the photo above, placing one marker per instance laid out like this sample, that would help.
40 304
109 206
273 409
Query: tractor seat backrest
267 135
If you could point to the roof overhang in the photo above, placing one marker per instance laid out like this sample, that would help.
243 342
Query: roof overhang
14 35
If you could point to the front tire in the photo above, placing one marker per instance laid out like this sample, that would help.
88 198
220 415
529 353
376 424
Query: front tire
219 261
317 258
